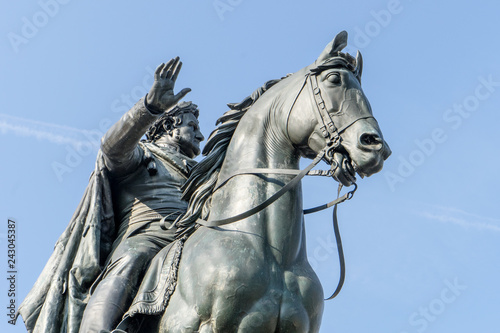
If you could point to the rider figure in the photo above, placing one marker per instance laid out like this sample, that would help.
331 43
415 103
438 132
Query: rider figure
146 179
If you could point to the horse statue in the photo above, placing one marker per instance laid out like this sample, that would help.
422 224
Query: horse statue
245 269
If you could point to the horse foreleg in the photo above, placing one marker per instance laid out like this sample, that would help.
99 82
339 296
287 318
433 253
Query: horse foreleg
302 304
263 316
180 318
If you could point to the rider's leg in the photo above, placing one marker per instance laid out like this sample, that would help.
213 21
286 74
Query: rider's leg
116 290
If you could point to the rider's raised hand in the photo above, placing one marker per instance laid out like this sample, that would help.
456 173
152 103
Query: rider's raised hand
161 96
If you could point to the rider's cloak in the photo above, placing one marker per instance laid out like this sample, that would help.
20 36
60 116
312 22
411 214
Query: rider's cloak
57 300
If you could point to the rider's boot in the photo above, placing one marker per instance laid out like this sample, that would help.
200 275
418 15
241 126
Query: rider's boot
109 302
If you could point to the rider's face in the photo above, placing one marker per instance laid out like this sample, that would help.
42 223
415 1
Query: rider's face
189 135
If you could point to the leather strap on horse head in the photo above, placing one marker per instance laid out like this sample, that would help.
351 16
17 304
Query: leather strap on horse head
323 117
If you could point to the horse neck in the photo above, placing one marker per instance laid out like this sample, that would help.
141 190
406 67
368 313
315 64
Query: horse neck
260 141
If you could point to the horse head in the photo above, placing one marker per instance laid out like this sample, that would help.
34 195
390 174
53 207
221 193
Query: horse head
332 112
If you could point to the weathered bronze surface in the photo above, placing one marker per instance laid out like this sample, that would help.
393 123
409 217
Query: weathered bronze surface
225 272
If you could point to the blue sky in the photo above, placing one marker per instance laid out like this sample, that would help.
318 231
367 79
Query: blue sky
421 238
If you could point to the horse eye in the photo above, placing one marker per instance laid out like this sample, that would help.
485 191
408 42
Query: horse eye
334 78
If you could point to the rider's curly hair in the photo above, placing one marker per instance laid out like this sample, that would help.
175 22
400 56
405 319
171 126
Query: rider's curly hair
170 120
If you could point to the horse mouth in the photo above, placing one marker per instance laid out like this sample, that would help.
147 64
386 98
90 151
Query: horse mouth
345 169
356 169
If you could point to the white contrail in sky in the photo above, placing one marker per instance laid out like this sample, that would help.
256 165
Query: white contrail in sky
462 218
53 133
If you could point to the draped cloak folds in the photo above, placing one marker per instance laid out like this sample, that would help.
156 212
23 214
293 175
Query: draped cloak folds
57 300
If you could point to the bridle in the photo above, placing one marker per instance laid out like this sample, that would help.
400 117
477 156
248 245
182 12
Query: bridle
333 138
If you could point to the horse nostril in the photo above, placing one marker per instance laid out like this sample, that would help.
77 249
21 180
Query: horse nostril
370 139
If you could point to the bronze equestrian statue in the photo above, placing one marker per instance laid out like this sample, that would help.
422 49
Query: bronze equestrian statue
239 261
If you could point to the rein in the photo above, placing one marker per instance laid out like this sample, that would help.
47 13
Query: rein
291 184
299 175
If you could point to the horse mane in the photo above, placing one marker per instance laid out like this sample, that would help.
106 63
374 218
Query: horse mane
198 188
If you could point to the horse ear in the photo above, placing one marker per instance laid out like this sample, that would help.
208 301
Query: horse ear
336 45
